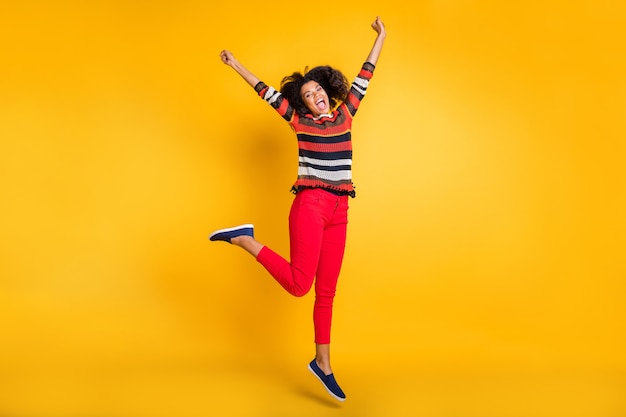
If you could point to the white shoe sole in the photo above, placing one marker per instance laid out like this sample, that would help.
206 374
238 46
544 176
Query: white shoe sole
324 385
231 229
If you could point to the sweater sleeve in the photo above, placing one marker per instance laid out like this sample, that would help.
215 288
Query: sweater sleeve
359 87
276 100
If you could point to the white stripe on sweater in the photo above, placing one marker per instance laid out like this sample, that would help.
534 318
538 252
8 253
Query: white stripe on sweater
324 162
360 84
271 95
345 175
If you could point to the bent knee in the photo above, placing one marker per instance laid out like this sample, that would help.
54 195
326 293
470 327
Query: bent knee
300 292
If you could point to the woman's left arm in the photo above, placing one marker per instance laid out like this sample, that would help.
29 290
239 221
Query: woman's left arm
379 27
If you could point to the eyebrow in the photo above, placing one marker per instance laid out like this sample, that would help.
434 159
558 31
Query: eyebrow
312 89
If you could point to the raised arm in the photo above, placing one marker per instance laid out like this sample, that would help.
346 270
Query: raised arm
379 27
229 59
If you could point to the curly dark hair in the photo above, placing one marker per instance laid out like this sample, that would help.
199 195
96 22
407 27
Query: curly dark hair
332 81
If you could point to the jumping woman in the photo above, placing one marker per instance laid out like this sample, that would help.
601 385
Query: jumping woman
319 105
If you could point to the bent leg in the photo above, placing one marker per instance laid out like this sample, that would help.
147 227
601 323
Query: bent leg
250 244
306 230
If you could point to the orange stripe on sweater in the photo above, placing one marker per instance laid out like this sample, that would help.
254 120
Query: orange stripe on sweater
325 147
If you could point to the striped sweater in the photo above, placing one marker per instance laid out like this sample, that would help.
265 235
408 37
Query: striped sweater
324 143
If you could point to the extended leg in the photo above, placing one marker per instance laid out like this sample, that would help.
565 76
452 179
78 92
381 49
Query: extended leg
329 267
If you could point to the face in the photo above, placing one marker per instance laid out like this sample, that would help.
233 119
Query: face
315 98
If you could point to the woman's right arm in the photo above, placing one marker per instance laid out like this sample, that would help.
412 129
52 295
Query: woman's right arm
267 93
229 59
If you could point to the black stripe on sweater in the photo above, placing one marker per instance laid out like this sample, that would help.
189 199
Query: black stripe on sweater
326 156
345 137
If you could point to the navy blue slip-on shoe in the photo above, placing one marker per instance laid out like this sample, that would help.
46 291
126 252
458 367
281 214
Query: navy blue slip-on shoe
227 234
328 381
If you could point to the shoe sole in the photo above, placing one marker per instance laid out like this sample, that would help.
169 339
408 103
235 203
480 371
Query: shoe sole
324 385
231 229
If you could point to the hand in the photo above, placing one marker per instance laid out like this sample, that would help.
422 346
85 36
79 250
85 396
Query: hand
227 57
378 26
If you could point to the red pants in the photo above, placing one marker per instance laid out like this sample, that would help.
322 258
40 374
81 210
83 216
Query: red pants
317 232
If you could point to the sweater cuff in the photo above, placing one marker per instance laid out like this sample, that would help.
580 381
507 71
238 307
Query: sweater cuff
259 86
368 66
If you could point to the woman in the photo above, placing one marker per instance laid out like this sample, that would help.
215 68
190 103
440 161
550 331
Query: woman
319 213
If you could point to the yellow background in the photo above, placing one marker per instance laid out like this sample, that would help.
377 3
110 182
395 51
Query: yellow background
484 274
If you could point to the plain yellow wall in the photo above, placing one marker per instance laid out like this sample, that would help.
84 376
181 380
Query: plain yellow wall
487 232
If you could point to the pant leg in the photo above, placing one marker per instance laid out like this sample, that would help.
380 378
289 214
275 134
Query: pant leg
306 230
328 269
